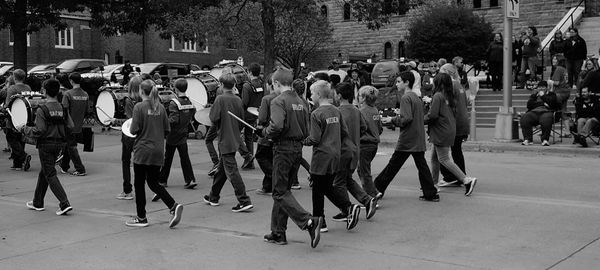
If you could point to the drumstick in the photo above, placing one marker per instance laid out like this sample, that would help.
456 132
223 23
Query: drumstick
242 121
203 105
98 107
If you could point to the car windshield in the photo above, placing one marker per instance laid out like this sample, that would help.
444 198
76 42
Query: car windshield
385 67
148 67
68 64
107 69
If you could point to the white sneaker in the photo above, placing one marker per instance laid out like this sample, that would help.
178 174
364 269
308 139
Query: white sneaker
526 142
125 196
545 143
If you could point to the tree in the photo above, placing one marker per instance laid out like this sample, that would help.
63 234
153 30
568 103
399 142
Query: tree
447 30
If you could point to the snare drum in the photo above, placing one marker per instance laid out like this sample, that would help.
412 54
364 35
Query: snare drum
109 105
23 109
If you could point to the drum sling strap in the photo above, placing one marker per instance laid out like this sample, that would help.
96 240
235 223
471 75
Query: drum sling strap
182 107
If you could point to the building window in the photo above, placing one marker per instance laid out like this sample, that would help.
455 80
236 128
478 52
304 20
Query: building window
401 50
476 3
387 50
346 12
11 38
63 38
324 11
493 3
189 46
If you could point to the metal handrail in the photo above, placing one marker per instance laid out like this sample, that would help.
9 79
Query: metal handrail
572 11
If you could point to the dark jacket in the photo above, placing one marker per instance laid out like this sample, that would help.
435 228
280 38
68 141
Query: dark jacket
558 46
547 102
531 49
495 51
441 121
592 82
587 108
576 49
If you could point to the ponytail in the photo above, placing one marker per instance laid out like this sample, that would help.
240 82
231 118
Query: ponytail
150 90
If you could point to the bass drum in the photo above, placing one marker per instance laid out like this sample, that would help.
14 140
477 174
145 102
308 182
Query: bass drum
202 90
109 105
23 109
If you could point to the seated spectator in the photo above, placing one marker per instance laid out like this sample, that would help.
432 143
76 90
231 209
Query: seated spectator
540 111
587 108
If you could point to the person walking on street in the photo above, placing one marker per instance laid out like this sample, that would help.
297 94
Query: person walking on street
76 101
133 88
21 160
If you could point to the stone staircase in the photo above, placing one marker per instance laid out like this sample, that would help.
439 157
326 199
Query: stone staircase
488 105
589 29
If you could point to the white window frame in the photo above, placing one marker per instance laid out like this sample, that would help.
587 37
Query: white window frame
12 37
172 44
189 46
66 35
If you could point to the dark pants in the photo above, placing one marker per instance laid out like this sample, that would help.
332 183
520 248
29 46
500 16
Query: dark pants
70 153
211 135
228 169
126 150
249 135
47 177
395 164
286 161
343 182
367 154
457 157
264 156
149 174
186 164
532 119
17 147
573 69
323 187
496 73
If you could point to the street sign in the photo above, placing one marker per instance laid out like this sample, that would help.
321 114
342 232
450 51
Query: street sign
512 8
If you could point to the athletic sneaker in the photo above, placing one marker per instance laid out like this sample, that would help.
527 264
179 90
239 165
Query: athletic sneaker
379 196
276 238
242 207
314 230
207 200
176 212
453 183
125 196
261 191
27 163
435 198
137 222
341 217
64 211
76 173
470 185
33 207
296 186
371 207
191 185
16 168
155 197
214 170
324 227
526 142
353 216
248 162
545 143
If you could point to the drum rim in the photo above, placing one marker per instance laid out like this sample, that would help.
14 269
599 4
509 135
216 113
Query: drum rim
96 104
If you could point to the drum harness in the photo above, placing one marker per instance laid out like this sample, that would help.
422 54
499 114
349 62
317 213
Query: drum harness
182 107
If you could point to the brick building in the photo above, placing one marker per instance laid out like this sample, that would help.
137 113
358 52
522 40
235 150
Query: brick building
353 41
81 40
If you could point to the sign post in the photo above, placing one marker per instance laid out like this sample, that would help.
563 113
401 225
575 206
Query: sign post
504 119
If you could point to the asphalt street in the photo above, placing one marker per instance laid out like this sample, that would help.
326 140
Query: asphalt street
528 211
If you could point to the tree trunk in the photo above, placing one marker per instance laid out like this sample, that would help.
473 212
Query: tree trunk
268 20
18 28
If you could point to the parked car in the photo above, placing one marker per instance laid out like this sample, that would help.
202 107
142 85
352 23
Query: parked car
40 67
382 72
163 69
5 63
5 71
69 66
107 72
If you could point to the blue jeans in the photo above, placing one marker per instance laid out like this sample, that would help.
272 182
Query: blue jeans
47 176
228 169
367 154
343 183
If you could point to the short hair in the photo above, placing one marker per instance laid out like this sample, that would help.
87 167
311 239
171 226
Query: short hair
146 76
322 76
442 61
322 88
533 30
181 85
254 69
228 80
335 79
284 76
456 59
19 75
542 84
369 94
75 77
346 91
52 87
299 86
407 76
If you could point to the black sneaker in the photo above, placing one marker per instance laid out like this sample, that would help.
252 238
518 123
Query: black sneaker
191 185
242 207
27 163
276 238
176 212
341 217
435 198
210 202
583 141
353 216
213 170
371 207
248 162
155 197
137 222
314 230
470 186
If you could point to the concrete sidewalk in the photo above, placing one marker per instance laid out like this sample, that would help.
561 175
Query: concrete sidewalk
484 142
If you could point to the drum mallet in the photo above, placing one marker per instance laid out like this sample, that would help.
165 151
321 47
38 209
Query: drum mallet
242 121
202 105
111 119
